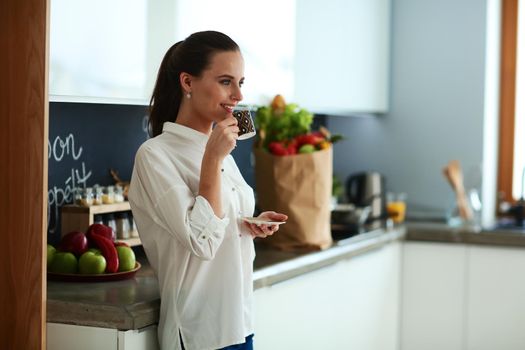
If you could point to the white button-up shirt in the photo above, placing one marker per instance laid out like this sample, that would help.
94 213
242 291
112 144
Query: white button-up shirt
204 264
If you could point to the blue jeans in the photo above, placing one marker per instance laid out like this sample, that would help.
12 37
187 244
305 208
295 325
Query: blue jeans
247 345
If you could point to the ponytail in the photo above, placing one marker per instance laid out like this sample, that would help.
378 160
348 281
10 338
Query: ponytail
165 100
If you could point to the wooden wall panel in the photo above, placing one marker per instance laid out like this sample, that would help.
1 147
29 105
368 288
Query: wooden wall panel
509 29
23 172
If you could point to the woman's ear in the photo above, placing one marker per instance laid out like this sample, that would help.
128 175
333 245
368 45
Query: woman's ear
185 82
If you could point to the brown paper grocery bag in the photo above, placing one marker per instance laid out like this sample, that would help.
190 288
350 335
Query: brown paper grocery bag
299 186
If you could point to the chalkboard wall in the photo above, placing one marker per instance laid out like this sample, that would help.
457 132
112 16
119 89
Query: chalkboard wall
87 140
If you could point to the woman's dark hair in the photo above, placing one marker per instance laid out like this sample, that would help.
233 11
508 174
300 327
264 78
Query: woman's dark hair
192 56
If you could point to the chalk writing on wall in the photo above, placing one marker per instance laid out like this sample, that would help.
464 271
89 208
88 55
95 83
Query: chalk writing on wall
62 193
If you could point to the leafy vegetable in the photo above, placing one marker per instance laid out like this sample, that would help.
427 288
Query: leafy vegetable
282 125
283 129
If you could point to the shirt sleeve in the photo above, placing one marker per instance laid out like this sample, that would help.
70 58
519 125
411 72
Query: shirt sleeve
163 194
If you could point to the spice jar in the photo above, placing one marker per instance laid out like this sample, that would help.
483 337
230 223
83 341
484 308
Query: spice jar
97 219
119 194
133 232
122 226
87 197
77 195
97 198
109 195
110 222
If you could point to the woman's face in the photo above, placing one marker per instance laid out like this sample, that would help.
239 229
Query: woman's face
218 89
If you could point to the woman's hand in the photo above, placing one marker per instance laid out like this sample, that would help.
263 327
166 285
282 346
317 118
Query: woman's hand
223 139
221 142
266 230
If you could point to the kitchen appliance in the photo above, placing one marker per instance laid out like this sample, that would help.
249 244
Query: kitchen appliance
368 189
347 220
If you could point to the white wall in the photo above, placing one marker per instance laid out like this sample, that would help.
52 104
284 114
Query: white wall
437 103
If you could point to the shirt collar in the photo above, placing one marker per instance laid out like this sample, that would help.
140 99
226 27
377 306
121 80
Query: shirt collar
186 133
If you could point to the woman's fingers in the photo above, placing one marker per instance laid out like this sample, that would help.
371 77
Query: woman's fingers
257 231
228 122
263 230
223 138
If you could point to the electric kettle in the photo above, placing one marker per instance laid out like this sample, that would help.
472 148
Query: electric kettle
367 189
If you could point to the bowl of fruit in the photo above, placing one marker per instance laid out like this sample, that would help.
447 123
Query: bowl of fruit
93 256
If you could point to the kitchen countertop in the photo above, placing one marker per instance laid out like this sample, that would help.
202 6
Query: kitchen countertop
273 266
134 303
441 232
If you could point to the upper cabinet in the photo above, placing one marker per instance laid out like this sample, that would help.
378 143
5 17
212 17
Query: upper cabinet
107 51
342 56
331 57
265 32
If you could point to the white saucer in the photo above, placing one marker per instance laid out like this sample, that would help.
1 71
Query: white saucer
259 221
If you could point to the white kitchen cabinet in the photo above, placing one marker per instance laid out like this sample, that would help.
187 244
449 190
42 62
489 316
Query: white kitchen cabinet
433 288
496 298
66 337
265 32
342 55
467 297
353 304
107 51
110 52
331 57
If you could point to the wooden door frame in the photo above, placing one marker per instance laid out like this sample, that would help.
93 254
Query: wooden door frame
509 34
23 172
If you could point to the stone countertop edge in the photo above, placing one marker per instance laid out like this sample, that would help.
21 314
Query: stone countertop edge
440 232
344 249
137 316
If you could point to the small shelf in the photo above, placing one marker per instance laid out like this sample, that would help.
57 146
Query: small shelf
96 209
79 218
132 242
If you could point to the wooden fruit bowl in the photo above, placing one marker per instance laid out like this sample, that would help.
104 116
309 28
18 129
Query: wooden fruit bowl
103 277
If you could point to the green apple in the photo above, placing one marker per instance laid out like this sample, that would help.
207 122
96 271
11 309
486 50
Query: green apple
50 254
307 149
95 250
126 258
64 262
92 263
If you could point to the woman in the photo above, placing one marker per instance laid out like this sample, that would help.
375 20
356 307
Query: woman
188 198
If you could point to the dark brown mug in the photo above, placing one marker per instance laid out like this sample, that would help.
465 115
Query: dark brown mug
245 123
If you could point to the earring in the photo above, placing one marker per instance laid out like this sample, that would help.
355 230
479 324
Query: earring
188 95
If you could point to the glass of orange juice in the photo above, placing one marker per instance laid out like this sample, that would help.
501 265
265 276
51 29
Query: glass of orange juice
396 206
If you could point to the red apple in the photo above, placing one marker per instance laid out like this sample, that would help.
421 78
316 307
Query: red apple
277 148
309 139
74 242
291 148
101 230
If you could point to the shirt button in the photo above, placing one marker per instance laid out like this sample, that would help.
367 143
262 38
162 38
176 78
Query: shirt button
233 188
222 169
203 237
